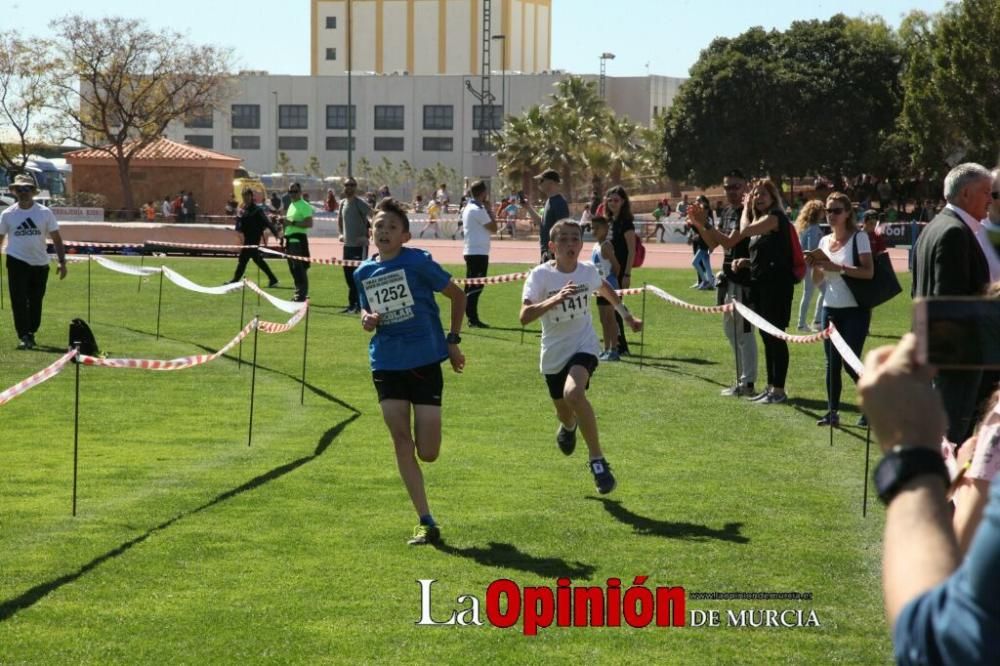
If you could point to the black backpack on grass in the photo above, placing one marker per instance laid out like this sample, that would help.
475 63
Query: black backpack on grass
80 334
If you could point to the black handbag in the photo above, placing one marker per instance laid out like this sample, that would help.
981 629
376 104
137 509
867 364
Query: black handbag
880 288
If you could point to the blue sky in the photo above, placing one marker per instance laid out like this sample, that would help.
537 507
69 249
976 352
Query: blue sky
665 35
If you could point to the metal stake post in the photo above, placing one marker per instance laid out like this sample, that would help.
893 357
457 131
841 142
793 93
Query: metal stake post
305 347
159 304
642 334
76 427
253 379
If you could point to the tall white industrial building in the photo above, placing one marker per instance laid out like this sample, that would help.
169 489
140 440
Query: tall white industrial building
410 89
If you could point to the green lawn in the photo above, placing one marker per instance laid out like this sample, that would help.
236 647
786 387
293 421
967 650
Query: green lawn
191 547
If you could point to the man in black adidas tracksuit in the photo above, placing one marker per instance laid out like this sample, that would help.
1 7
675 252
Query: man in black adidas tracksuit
27 224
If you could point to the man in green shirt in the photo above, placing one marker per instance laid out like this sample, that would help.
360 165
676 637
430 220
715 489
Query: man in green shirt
297 222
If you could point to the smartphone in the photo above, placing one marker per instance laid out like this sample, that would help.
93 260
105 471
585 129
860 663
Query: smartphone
958 333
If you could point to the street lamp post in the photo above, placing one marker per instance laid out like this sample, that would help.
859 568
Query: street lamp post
350 114
604 58
276 122
503 73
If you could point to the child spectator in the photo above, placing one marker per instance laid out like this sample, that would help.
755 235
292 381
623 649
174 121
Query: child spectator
603 257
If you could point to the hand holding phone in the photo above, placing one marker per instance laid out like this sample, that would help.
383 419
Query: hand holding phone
958 333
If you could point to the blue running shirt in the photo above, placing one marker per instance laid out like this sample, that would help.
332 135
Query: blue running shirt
402 291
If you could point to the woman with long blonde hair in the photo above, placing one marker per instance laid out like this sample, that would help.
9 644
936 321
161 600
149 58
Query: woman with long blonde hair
807 224
834 259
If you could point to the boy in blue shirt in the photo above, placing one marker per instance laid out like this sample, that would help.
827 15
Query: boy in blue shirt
396 289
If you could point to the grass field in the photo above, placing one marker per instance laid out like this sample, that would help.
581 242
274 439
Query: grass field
191 547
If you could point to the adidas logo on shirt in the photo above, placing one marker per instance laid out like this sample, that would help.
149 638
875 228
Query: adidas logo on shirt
27 228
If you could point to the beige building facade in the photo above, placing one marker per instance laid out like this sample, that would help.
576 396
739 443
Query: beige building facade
428 37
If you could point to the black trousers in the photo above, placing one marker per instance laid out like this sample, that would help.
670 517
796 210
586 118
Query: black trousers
356 253
476 266
246 254
26 284
298 245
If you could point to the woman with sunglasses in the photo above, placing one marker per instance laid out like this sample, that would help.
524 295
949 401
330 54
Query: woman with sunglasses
830 263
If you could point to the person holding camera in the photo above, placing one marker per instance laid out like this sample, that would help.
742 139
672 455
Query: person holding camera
948 260
734 283
940 609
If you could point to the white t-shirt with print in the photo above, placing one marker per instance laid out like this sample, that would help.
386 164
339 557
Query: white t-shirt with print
836 293
567 329
27 232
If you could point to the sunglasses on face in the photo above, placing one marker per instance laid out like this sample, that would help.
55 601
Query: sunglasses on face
23 188
995 195
834 211
294 191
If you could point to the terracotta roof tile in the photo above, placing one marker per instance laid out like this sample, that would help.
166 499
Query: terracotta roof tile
161 149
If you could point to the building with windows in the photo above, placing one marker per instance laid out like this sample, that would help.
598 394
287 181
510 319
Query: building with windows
428 36
405 105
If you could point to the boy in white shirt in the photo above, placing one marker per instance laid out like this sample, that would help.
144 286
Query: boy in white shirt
558 292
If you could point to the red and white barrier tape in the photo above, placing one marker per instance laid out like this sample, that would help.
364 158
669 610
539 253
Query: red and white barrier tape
173 364
202 246
185 283
313 260
496 279
673 300
70 243
141 271
37 378
272 327
774 331
846 353
286 306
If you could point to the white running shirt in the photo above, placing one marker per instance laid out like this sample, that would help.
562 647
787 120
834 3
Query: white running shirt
567 329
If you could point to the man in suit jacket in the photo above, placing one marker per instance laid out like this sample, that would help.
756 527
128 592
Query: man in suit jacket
948 261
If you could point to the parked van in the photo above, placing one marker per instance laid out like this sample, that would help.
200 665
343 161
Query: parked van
243 179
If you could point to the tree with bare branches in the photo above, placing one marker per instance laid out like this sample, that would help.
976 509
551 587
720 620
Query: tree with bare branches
22 100
118 83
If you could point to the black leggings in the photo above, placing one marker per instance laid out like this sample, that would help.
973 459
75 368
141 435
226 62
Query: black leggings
775 360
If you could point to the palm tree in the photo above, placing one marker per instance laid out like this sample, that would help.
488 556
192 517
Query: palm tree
624 149
516 148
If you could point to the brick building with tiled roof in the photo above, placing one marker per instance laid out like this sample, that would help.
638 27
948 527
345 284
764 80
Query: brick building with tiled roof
163 168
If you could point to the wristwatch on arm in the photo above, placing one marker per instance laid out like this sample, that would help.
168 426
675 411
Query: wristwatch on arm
453 339
903 464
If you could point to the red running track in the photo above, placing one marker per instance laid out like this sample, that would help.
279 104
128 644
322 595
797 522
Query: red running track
658 255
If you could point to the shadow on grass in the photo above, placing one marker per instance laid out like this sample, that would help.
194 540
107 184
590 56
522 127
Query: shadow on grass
673 369
507 556
646 360
315 390
670 530
29 598
808 406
